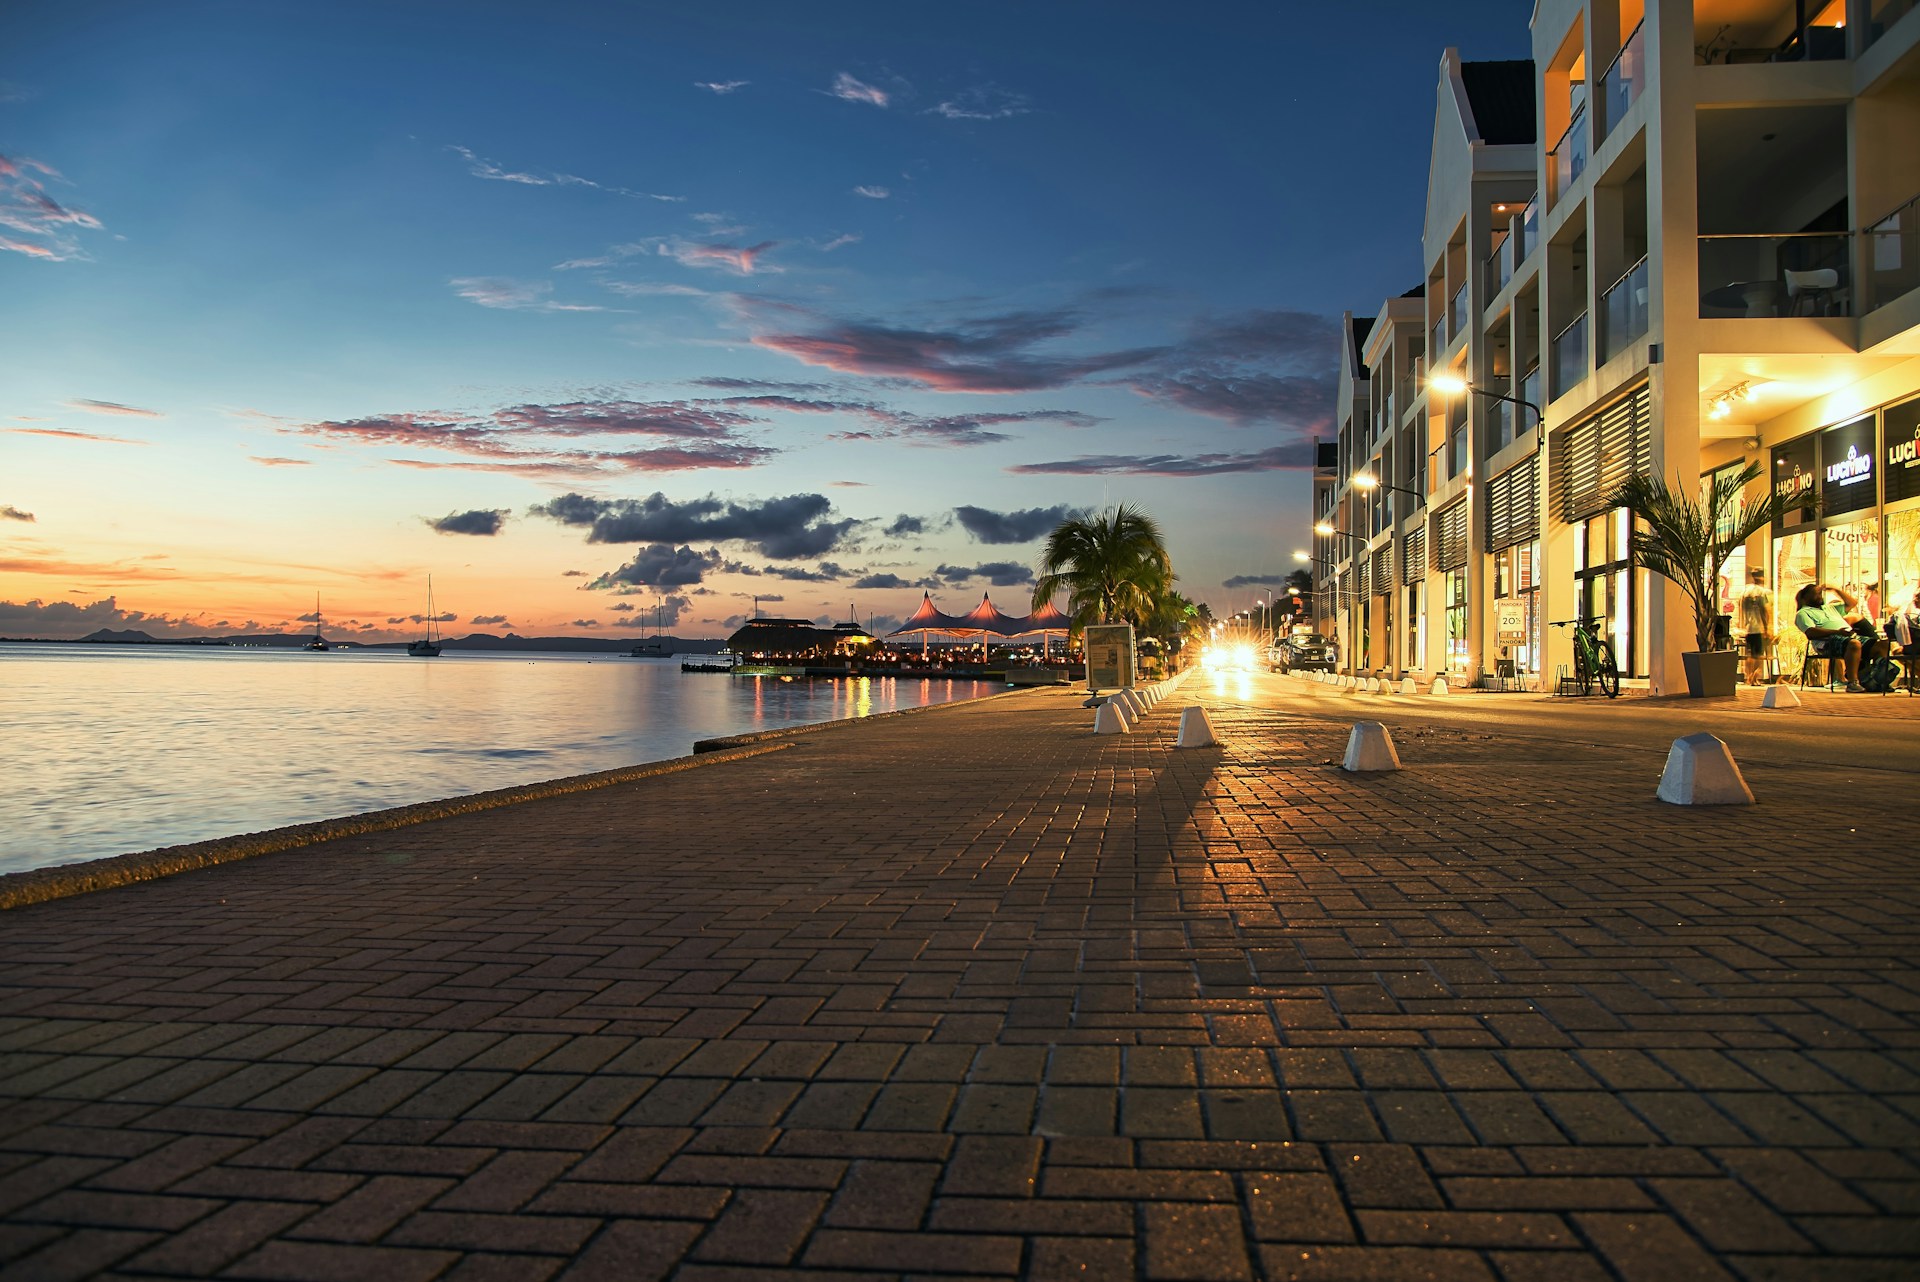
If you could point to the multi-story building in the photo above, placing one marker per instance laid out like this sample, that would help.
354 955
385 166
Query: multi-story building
1714 262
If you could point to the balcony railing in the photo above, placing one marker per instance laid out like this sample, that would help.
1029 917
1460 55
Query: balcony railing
1499 422
1438 339
1499 265
1884 14
1892 252
1794 274
1530 393
1623 82
1568 159
1623 312
1570 356
1457 311
1457 452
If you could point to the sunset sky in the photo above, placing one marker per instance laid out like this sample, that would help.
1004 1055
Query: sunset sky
577 307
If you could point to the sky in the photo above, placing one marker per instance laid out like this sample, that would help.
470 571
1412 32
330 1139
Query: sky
609 314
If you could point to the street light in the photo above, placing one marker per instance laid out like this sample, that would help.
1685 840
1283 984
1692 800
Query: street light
1453 385
1368 481
1326 530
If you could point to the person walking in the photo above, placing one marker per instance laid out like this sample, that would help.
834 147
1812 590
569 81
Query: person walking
1753 615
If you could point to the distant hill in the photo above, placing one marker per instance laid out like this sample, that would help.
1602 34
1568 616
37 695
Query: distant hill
472 641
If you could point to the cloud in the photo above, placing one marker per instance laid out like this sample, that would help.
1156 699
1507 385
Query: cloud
479 521
68 619
586 623
840 242
514 295
1024 526
65 434
659 565
268 460
984 354
624 607
1278 458
872 192
489 620
824 572
739 259
789 528
848 89
1000 574
983 102
883 581
904 525
1273 366
573 574
481 167
111 408
721 86
10 513
46 229
1254 581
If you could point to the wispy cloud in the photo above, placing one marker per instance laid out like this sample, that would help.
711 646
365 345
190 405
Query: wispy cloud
721 86
46 229
8 512
514 295
983 102
111 407
840 242
270 460
742 260
874 192
848 89
1273 366
1278 458
64 434
481 167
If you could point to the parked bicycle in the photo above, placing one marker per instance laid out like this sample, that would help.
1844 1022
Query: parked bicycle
1592 658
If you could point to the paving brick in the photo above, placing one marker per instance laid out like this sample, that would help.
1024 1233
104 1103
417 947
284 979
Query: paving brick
1195 1243
883 1195
281 1261
222 1237
1649 1246
762 1226
1296 1207
366 1213
934 1252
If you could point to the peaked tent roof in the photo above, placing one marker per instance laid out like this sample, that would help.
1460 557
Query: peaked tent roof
1048 618
928 618
986 617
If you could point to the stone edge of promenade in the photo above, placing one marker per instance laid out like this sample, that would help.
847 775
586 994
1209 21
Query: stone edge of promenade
42 885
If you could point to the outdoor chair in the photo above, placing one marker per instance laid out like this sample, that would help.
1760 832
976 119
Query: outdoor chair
1812 290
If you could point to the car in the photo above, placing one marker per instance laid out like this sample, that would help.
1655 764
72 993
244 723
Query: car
1306 652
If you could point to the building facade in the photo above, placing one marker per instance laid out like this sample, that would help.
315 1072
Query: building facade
1683 237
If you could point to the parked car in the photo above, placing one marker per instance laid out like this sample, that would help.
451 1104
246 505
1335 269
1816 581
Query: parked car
1307 652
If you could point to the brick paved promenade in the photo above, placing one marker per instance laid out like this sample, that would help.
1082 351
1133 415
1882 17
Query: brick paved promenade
976 993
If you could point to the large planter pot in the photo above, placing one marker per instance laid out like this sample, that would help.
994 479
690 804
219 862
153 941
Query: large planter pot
1710 673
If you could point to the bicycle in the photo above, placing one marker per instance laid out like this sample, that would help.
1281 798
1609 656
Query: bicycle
1592 658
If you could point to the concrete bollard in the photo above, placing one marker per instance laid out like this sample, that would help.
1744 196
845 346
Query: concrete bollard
1386 686
1407 686
1130 705
1439 686
1369 748
1110 719
1195 730
1779 697
1701 772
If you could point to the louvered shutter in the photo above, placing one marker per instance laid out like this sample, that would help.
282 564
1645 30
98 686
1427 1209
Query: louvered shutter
1453 537
1383 570
1413 561
1365 572
1513 506
1592 458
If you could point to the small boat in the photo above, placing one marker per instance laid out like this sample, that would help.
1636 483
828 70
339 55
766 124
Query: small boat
427 647
655 646
319 643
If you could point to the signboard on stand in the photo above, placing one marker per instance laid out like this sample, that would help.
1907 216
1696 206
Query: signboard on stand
1110 663
1510 621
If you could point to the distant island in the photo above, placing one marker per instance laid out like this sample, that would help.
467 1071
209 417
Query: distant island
472 641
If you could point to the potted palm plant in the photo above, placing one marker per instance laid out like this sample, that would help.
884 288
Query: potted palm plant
1688 540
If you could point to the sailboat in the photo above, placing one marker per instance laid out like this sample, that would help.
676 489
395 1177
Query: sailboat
427 647
655 645
319 642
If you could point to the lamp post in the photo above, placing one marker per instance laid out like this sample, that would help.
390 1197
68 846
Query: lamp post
1453 385
1326 529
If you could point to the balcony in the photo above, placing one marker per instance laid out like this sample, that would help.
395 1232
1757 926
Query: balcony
1437 340
1457 311
1892 256
1500 416
1623 312
1792 274
1731 31
1568 159
1623 82
1570 356
1530 393
1884 14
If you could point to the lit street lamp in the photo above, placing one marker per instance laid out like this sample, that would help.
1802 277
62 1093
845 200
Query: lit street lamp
1453 385
1368 481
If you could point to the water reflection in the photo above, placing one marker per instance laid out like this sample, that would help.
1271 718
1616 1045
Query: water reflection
113 749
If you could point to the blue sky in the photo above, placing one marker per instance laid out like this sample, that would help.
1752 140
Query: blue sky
580 307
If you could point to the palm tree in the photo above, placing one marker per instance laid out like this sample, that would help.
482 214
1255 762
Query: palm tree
1687 540
1113 565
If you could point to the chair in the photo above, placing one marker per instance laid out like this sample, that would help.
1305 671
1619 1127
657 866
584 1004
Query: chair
1809 658
1811 289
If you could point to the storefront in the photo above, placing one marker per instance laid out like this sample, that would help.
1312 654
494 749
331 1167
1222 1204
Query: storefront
1852 519
1413 577
1513 530
1592 459
1451 526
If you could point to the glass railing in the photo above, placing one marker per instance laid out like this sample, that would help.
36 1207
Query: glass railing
1499 423
1529 232
1796 274
1568 159
1457 311
1623 81
1623 312
1570 356
1530 393
1438 339
1499 265
1884 14
1892 253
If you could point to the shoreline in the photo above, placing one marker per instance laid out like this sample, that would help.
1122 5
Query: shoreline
61 881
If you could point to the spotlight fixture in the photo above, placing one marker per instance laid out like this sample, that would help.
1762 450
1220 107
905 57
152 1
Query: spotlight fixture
1722 405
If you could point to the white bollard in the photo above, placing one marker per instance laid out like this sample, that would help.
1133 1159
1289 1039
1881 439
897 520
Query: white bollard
1109 719
1386 686
1195 730
1439 686
1780 697
1370 747
1701 772
1407 686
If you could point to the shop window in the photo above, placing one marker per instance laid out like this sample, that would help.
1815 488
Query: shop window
1456 590
1903 559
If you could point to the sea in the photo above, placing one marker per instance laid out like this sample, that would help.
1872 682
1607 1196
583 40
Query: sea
109 749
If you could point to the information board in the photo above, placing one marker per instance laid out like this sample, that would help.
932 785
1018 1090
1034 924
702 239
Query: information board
1110 663
1510 621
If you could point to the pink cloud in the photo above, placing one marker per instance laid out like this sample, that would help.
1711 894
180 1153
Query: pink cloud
514 295
739 259
45 227
72 436
111 407
848 89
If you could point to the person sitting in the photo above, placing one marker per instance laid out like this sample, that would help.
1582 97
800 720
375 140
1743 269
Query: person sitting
1829 635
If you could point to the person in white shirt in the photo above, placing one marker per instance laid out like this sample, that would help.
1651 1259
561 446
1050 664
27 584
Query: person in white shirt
1753 615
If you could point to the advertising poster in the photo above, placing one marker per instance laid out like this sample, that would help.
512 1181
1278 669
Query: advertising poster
1109 656
1510 621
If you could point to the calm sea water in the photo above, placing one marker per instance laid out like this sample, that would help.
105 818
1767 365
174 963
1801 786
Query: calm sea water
108 749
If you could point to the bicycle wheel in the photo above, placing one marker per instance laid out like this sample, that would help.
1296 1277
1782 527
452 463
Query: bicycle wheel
1582 672
1609 673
